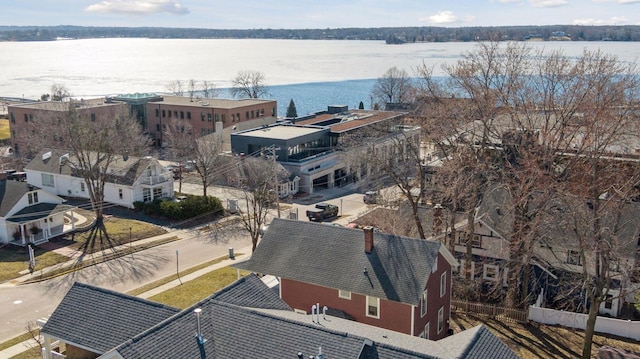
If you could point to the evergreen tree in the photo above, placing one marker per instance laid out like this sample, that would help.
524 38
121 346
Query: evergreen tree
291 110
361 106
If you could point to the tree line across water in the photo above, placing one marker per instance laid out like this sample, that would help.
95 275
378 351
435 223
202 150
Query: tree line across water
388 34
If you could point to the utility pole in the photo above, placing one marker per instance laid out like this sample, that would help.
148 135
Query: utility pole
276 184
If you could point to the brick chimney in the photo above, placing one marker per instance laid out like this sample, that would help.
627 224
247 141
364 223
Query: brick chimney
437 219
368 239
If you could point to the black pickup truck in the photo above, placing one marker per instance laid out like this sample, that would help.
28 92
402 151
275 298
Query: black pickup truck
322 212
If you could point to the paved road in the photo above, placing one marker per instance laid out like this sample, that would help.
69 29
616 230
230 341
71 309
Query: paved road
23 303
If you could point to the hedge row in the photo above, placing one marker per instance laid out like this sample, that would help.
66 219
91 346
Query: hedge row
190 207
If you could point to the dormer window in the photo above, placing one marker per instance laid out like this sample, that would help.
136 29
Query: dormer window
33 197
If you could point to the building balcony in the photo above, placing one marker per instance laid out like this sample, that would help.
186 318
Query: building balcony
154 180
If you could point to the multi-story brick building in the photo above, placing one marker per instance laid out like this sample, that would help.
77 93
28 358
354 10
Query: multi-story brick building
154 112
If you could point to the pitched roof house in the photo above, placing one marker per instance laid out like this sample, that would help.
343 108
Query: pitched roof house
29 214
393 282
243 320
130 179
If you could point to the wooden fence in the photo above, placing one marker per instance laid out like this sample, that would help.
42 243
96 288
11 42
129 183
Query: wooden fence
491 311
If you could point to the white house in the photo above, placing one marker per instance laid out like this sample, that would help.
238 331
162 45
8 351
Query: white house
31 215
130 179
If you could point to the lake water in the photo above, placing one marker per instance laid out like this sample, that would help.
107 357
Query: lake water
315 73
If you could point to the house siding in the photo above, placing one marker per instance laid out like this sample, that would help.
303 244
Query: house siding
393 315
435 302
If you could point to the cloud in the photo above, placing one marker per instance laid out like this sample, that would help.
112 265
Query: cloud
547 3
591 21
443 17
137 7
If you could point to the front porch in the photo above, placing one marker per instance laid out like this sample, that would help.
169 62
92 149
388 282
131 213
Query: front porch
39 223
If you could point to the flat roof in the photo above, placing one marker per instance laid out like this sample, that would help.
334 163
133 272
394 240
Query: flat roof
352 120
64 106
280 132
211 102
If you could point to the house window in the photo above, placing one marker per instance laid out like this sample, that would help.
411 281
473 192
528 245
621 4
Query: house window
262 112
157 192
188 115
573 257
202 115
440 319
146 194
233 118
182 115
344 294
463 269
209 117
253 114
164 114
13 118
157 113
120 193
26 118
169 113
47 180
158 127
423 303
426 331
81 186
93 117
247 115
273 111
238 116
217 117
223 119
608 302
33 197
490 272
373 307
443 284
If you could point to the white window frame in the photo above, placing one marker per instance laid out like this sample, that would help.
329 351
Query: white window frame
426 331
424 302
443 284
462 267
344 294
573 258
376 303
440 320
487 268
49 182
82 186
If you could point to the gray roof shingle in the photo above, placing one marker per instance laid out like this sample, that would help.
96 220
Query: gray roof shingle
100 319
10 194
397 269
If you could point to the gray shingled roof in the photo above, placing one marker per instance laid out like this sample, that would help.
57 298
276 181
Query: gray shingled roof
10 194
397 269
99 319
477 343
37 211
249 291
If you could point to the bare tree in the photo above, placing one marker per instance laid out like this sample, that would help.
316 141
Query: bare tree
179 138
59 92
205 152
257 177
176 88
93 146
209 89
192 88
393 87
249 84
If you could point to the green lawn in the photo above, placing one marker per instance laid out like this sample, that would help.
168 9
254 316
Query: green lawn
15 259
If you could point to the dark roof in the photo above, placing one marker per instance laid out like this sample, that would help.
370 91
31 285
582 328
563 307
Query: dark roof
95 318
250 291
99 319
496 210
10 194
37 211
397 269
476 343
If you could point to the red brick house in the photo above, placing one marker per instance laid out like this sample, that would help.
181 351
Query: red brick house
392 282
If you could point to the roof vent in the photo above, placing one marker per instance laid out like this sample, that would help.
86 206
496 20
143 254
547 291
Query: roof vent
46 156
199 337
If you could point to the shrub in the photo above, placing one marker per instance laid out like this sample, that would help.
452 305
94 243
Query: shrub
170 209
190 207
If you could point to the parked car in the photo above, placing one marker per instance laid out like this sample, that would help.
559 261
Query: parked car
370 197
322 211
189 166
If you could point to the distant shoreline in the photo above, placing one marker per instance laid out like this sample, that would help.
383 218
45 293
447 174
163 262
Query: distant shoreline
391 35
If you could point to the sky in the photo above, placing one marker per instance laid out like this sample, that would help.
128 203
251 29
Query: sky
317 14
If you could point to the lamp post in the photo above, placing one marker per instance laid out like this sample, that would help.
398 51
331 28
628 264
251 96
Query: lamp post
130 245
